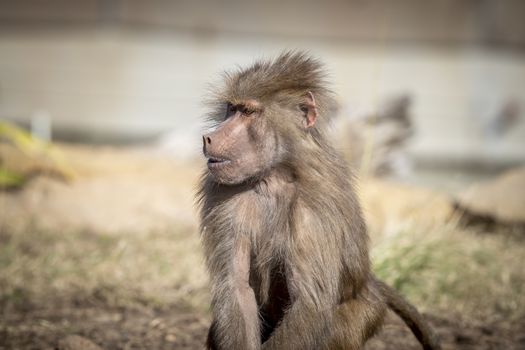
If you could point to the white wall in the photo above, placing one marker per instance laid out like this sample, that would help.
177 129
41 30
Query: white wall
140 82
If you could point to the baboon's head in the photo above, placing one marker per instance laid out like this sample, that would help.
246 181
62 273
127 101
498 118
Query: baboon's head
264 116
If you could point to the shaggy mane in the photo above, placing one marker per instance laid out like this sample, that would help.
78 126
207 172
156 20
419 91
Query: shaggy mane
286 78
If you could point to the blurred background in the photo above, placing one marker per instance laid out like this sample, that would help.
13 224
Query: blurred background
100 124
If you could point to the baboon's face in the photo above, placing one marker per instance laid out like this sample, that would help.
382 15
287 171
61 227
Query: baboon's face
243 146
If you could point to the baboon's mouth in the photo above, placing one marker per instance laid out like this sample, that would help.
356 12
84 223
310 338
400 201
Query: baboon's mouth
216 162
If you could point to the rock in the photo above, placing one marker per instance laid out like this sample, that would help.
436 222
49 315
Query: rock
390 207
76 342
501 200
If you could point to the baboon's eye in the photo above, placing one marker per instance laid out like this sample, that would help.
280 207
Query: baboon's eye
248 111
230 109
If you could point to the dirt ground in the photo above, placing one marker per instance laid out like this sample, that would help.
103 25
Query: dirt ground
173 328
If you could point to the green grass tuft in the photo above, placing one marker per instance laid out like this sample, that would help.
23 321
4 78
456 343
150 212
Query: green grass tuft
455 270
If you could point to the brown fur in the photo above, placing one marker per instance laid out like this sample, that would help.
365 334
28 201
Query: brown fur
286 247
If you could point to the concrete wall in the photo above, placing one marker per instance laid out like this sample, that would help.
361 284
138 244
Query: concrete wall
126 69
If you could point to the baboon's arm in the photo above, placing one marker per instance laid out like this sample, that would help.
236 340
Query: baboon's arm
236 322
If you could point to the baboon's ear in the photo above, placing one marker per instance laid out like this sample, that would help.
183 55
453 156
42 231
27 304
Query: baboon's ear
310 110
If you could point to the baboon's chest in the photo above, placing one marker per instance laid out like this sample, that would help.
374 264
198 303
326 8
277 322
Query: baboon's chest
265 216
271 238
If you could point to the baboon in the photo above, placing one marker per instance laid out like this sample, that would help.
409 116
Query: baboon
285 242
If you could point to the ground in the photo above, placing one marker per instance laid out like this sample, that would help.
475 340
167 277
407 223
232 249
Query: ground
113 255
173 328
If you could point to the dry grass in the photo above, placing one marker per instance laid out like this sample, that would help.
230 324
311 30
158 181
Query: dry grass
39 268
443 269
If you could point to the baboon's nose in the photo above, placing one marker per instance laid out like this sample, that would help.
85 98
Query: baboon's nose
206 141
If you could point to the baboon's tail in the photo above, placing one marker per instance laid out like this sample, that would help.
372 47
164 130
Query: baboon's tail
411 316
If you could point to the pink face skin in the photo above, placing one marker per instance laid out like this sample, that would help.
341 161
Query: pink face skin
245 145
241 147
